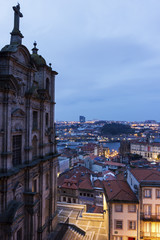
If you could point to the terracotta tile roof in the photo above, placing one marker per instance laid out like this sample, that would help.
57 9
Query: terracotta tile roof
71 186
118 191
98 183
114 164
76 178
85 183
120 176
146 174
107 178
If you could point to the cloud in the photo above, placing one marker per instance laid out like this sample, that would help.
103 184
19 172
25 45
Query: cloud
107 54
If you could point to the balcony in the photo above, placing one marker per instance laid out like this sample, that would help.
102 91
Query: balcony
150 217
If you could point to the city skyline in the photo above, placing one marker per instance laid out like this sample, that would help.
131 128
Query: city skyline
107 54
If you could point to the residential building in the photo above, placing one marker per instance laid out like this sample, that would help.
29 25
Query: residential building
28 159
63 164
75 186
147 150
120 211
146 184
78 186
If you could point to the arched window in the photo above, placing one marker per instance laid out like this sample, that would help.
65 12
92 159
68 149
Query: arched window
47 84
34 147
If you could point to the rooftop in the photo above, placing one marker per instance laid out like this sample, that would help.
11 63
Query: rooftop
146 174
118 191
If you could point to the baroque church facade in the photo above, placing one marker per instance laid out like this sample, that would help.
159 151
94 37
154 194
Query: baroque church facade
28 155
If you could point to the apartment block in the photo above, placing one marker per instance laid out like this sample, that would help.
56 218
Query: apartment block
146 185
145 149
121 208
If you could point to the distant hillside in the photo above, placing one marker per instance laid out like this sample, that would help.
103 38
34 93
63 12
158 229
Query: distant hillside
116 129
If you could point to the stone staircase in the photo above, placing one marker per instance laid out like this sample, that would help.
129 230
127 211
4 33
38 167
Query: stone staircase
72 234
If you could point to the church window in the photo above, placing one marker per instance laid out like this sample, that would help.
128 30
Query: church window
16 149
35 120
34 147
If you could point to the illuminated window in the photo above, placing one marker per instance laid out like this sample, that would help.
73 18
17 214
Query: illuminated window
147 227
118 238
118 208
147 193
132 208
118 224
158 227
132 225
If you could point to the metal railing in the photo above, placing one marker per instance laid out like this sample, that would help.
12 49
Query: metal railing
150 217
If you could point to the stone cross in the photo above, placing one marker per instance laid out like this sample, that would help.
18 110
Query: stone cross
17 15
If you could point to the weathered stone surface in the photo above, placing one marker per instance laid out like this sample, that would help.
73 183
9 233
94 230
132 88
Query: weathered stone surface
28 156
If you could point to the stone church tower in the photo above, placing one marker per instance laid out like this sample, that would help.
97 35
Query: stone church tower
28 156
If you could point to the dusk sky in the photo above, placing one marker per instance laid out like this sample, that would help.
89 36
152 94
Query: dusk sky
107 54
